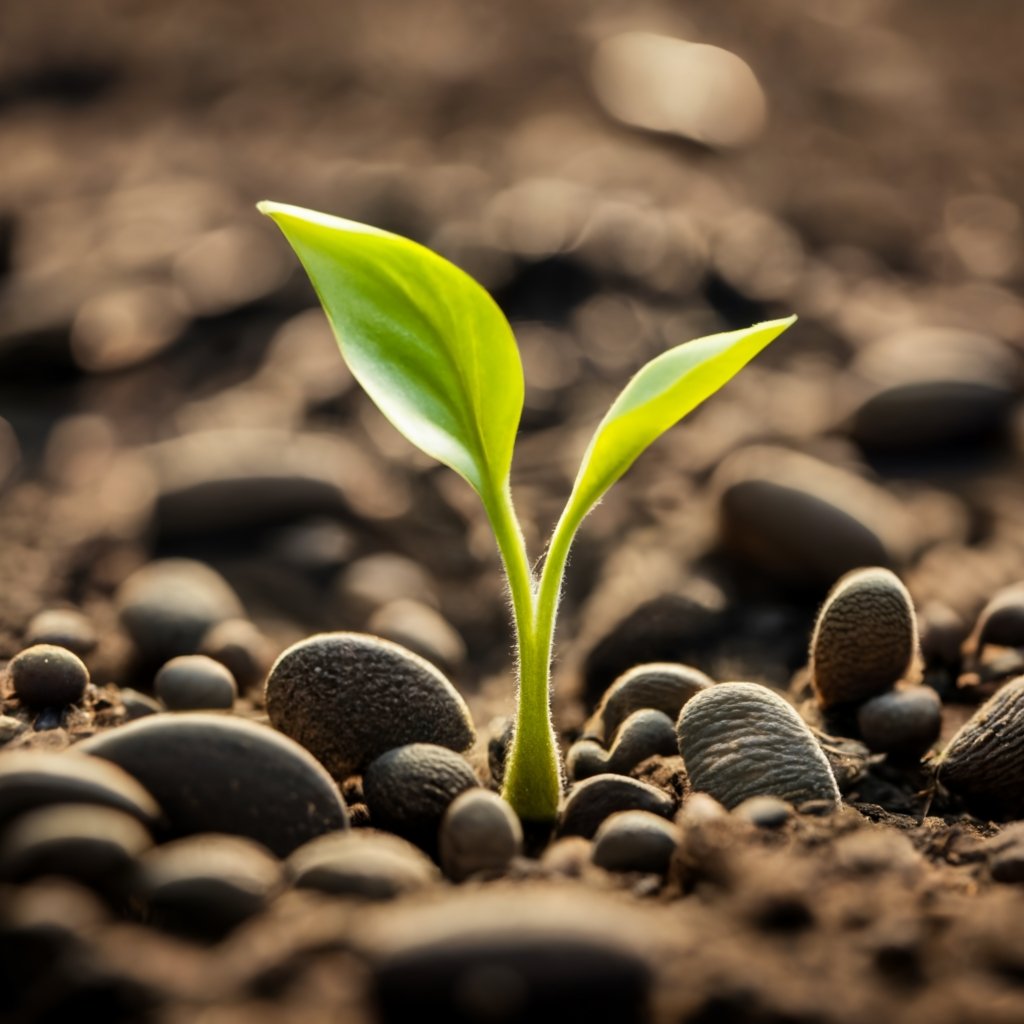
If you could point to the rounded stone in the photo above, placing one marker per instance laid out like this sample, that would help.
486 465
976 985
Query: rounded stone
214 772
664 686
740 740
591 801
480 833
805 521
1001 621
137 705
865 638
62 627
206 885
241 648
361 863
95 846
984 762
421 629
902 722
168 606
47 676
30 779
408 789
350 697
645 733
635 841
767 812
194 682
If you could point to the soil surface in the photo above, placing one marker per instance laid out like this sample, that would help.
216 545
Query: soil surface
186 467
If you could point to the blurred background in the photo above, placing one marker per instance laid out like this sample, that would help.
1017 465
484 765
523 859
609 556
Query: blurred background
623 177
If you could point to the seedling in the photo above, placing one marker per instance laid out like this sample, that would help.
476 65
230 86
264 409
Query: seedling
437 356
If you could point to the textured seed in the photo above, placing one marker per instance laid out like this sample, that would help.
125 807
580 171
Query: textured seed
635 841
206 885
92 845
984 761
865 638
645 733
664 686
62 627
199 766
47 676
408 789
362 863
194 682
591 801
350 697
740 740
903 722
479 833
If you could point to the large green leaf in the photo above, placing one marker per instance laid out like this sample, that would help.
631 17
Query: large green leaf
426 342
659 396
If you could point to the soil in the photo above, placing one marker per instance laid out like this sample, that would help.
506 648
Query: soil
166 393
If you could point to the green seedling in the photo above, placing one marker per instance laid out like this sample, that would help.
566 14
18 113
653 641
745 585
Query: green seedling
437 356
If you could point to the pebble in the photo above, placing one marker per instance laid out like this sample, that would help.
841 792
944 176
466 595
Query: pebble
635 841
1006 854
137 705
240 646
806 521
421 629
664 686
480 833
984 762
645 733
768 812
194 682
408 789
865 637
34 778
1001 621
903 722
375 580
168 606
942 633
694 90
206 885
96 846
46 676
199 765
590 802
362 863
350 697
62 627
740 740
961 393
508 958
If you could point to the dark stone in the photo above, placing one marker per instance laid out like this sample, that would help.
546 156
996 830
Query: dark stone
479 833
635 841
45 676
591 801
194 682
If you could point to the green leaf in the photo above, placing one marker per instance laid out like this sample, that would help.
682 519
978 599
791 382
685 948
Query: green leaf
426 342
659 396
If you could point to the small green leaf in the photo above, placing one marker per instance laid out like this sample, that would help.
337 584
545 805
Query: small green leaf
659 396
426 342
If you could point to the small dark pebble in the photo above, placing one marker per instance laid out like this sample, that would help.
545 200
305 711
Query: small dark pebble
46 676
480 833
767 812
408 790
241 648
206 885
194 682
137 705
591 801
902 723
635 841
96 846
62 627
196 764
363 864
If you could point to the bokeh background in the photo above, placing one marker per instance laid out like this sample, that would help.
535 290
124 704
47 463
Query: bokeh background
623 176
